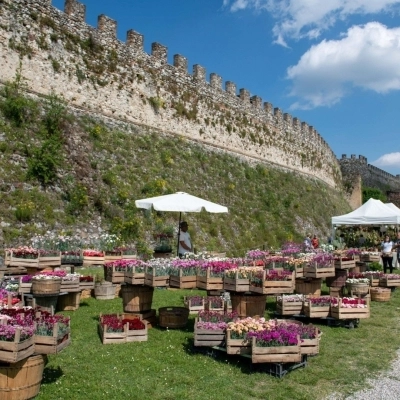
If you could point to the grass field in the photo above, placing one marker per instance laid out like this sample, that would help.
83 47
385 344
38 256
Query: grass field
168 366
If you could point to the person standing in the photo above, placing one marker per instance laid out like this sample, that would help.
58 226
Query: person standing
307 243
397 246
185 242
315 242
387 256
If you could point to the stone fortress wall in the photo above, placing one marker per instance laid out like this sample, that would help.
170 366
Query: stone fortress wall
371 176
59 52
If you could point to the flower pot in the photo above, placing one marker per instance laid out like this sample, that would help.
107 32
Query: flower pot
173 317
104 291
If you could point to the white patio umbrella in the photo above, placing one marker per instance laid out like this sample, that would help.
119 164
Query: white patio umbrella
180 202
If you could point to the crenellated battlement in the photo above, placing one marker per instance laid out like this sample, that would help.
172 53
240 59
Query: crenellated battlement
123 79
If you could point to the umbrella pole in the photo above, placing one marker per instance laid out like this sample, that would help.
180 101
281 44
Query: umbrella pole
179 233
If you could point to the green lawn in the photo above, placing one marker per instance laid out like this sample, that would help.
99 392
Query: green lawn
167 366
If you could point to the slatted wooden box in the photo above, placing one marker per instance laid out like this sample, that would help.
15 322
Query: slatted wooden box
237 346
178 280
52 344
208 337
276 354
151 278
17 350
207 282
274 287
312 271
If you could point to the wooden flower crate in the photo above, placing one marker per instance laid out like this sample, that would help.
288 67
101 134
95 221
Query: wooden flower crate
126 336
7 257
208 337
70 286
212 307
208 282
312 271
52 344
385 282
138 335
274 287
236 284
289 307
237 346
134 276
276 354
152 279
373 282
183 282
310 346
87 260
339 312
16 351
86 285
24 287
308 286
111 274
341 264
23 262
370 257
315 311
193 309
69 301
149 316
53 261
299 271
111 258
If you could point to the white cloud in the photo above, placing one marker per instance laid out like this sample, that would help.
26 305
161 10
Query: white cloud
366 57
388 160
308 18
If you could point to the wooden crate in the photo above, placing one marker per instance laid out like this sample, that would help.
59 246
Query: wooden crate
134 275
299 271
237 346
385 282
236 284
316 312
111 337
112 275
16 351
370 257
312 271
86 285
87 260
310 346
151 279
111 258
208 337
289 307
277 354
308 286
53 261
349 313
69 302
193 309
208 282
341 264
149 316
274 287
52 344
23 262
139 335
24 287
70 286
183 282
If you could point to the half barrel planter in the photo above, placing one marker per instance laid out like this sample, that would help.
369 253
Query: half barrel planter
137 299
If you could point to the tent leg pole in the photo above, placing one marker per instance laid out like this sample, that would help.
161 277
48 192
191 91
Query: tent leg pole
179 233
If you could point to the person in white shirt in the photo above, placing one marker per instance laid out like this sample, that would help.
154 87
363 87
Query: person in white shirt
185 242
387 256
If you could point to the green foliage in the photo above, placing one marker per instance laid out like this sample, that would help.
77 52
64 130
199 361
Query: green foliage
374 193
43 162
156 187
157 103
55 116
24 211
77 198
16 107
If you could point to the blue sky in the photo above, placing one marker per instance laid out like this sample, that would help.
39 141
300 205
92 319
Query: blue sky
334 64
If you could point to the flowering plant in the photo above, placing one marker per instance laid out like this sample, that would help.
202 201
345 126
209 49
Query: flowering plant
216 267
349 302
93 253
242 272
321 260
85 278
353 252
280 336
215 316
241 327
321 301
257 254
357 280
291 248
194 300
115 323
25 252
26 278
291 298
213 326
187 266
215 301
391 276
45 324
16 319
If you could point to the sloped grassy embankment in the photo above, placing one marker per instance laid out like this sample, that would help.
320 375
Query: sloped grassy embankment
63 171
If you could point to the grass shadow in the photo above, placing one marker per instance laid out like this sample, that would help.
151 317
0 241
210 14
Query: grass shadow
51 374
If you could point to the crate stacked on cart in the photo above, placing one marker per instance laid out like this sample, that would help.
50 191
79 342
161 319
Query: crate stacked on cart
272 282
183 274
289 305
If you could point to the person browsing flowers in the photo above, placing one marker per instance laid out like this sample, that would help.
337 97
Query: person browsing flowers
185 242
387 257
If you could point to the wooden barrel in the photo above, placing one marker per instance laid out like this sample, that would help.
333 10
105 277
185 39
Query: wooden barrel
46 287
339 280
46 303
21 380
173 317
247 305
380 294
308 286
358 288
136 298
104 291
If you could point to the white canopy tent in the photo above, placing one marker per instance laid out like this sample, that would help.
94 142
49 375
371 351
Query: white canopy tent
373 212
393 207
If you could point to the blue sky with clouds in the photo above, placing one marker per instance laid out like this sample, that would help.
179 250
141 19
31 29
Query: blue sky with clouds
334 64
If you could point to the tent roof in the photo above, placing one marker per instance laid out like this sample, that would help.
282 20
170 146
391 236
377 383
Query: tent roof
393 207
373 212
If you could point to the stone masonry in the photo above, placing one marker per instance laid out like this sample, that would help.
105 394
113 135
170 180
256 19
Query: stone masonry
60 53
